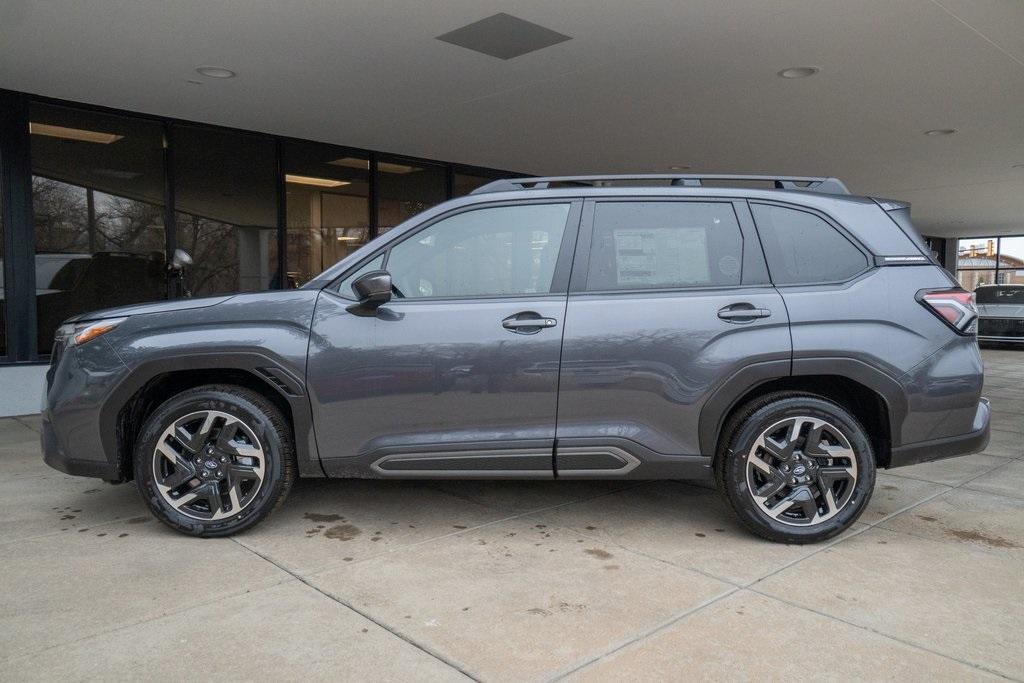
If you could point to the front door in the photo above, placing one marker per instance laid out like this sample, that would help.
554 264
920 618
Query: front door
668 300
458 374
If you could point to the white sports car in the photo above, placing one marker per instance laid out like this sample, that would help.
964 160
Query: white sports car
1000 313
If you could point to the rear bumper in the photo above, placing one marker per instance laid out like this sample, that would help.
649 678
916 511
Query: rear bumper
948 447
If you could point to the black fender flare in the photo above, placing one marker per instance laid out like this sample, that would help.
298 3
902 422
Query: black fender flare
730 392
265 368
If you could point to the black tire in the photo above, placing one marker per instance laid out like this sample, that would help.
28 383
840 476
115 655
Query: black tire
259 418
741 434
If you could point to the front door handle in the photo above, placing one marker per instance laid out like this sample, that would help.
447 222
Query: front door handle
742 313
527 322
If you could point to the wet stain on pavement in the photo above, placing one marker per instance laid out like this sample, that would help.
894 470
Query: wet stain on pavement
598 553
319 517
985 539
343 532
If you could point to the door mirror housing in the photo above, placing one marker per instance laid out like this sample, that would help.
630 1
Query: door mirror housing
373 289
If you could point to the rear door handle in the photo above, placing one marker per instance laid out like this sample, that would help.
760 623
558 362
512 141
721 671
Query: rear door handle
527 322
742 313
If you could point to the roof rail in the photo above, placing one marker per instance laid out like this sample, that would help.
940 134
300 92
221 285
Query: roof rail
822 184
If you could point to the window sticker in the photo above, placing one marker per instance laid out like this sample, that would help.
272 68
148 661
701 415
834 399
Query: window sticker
654 256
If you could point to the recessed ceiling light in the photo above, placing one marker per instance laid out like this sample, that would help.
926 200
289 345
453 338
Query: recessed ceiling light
679 168
311 180
215 72
940 131
799 71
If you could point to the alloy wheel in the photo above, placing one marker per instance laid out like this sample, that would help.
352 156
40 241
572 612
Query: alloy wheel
801 471
208 465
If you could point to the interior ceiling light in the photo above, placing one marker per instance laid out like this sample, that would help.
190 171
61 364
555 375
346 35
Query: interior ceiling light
679 168
215 72
347 238
364 164
940 131
351 162
72 133
395 168
799 71
318 182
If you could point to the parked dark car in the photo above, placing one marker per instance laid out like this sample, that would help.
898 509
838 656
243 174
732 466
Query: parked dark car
1001 313
785 341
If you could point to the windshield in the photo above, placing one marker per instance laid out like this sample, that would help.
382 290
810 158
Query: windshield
1000 295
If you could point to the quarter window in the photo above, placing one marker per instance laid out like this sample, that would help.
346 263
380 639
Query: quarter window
508 250
664 245
801 248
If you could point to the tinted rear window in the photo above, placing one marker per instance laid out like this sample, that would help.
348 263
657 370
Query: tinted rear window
999 295
802 248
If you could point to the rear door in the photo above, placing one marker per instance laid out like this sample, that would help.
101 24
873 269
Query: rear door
668 299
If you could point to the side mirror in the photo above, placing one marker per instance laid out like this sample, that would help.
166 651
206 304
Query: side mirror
180 259
373 289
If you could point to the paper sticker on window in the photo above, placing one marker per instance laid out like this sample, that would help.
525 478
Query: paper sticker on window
661 256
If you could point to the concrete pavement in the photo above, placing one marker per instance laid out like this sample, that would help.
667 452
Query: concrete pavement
359 580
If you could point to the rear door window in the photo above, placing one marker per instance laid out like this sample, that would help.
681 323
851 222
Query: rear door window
664 245
803 248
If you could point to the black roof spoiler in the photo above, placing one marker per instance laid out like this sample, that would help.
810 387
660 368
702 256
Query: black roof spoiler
821 184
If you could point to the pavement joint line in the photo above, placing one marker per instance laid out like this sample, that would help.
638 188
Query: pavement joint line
640 636
140 622
889 636
422 647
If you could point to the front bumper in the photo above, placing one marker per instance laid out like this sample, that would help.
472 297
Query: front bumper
55 457
948 447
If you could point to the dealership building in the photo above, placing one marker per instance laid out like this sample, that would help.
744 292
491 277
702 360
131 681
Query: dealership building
270 143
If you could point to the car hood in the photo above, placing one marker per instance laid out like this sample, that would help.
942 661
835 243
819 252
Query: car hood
154 307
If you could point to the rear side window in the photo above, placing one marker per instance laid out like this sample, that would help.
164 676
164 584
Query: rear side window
664 245
802 248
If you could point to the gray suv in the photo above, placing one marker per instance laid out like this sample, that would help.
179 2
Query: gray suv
775 334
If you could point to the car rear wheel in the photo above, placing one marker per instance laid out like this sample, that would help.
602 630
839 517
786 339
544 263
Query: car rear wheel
795 468
214 460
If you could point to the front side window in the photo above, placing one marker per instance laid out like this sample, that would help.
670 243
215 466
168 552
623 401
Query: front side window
507 250
664 245
802 248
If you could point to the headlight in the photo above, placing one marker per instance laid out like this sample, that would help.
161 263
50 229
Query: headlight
82 333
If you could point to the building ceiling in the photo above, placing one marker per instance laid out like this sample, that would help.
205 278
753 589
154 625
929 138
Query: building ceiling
641 86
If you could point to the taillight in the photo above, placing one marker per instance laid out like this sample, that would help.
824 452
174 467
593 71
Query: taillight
955 307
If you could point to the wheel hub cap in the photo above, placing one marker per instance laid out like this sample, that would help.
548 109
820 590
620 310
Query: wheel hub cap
801 471
208 465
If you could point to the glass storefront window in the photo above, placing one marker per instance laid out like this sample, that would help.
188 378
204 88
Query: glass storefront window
972 279
464 183
3 298
976 252
225 195
97 196
1011 260
405 189
328 206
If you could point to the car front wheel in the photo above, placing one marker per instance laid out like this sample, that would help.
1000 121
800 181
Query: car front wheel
214 460
795 468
